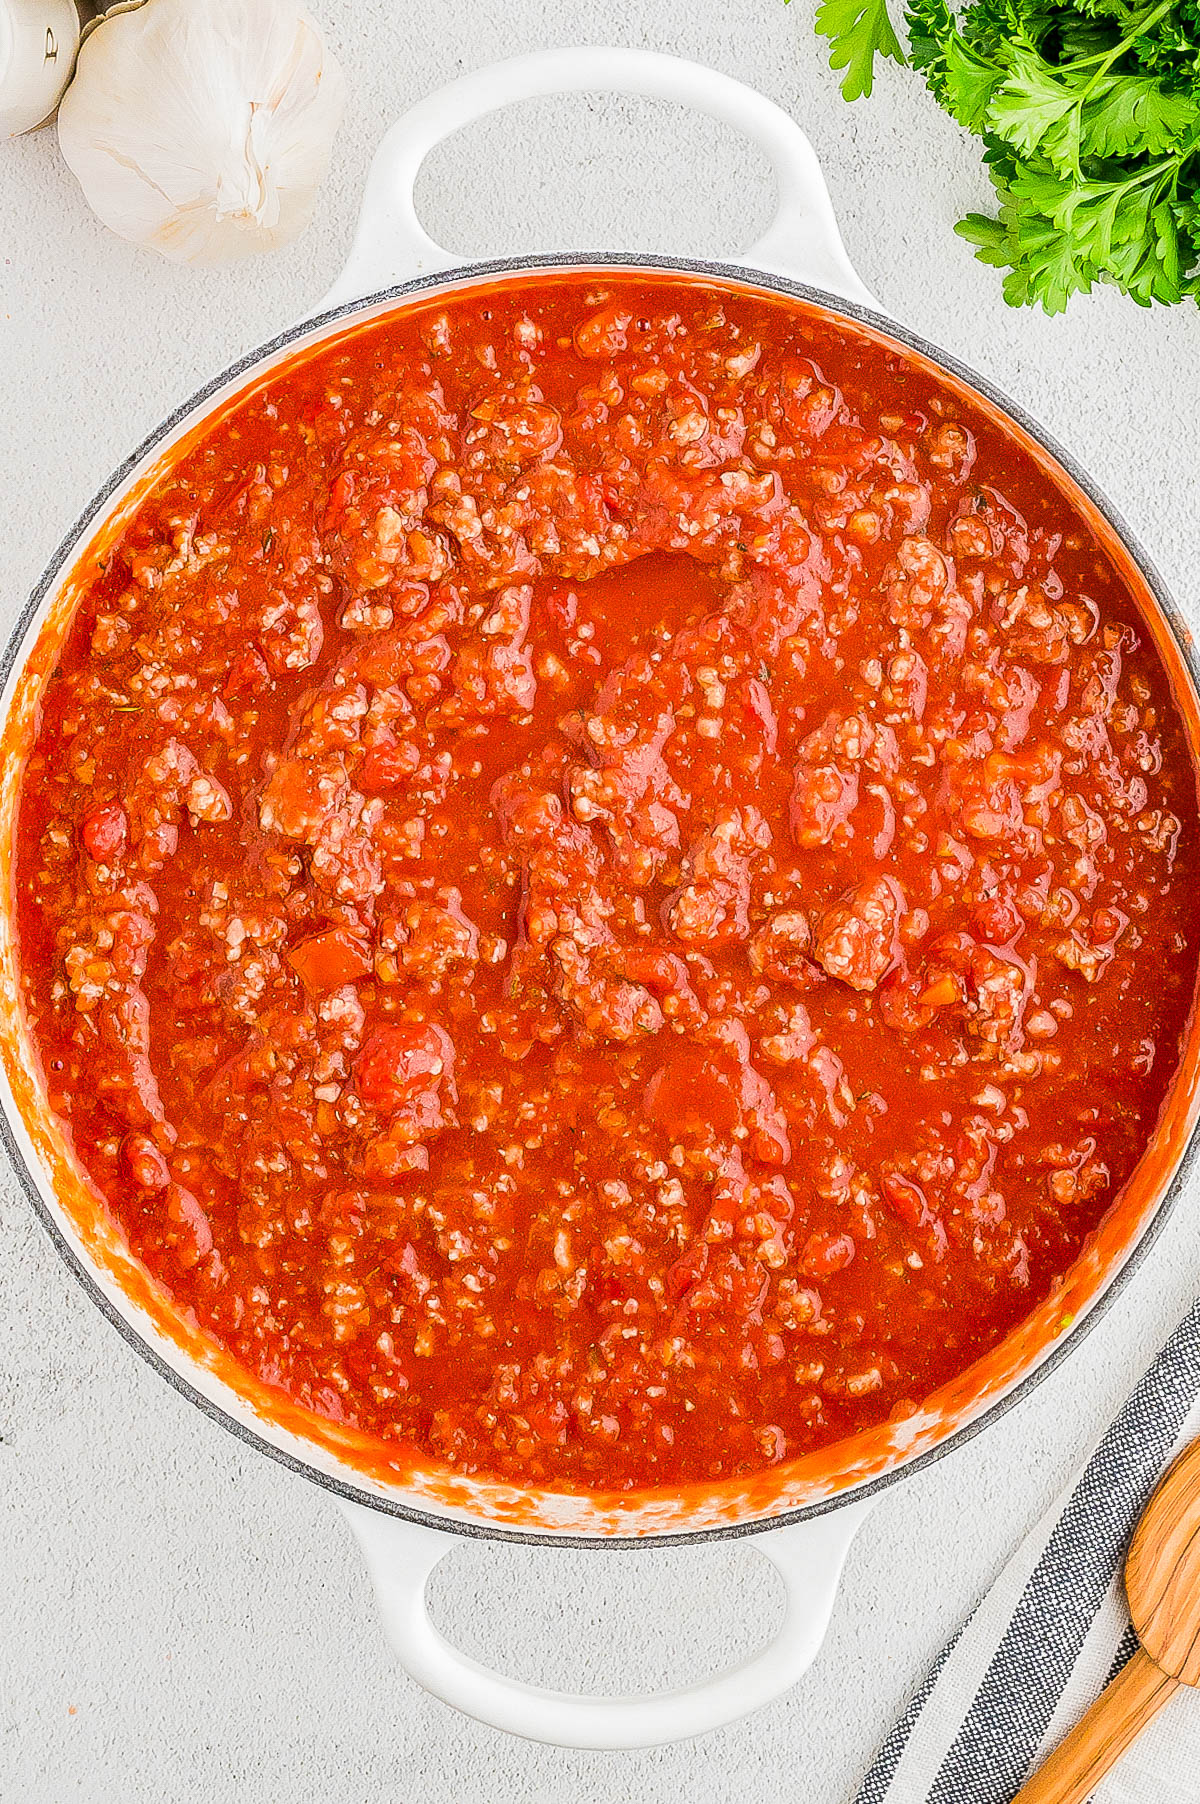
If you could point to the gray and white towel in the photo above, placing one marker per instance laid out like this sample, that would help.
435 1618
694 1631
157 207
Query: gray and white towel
1053 1630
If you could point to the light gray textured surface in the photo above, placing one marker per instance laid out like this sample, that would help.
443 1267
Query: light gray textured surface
182 1621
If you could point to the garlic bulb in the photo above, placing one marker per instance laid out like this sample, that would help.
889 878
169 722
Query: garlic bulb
202 128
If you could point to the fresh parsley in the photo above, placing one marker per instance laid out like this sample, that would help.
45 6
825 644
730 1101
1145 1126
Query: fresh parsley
858 32
1089 114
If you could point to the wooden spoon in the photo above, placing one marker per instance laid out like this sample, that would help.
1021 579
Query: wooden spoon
1162 1582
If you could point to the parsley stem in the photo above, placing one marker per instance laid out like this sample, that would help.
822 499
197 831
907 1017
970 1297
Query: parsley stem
1106 57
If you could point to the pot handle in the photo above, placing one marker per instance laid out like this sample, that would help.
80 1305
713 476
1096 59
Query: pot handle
391 245
401 1555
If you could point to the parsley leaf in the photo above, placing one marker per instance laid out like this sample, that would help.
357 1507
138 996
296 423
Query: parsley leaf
1033 110
971 81
858 32
962 75
930 24
1044 264
1135 116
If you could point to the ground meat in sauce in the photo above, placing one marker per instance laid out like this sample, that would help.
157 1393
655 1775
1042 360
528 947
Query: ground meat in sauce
605 882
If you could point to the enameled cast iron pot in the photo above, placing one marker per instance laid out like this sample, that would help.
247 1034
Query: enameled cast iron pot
802 1515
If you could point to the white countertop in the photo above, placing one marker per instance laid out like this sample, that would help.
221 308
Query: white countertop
181 1619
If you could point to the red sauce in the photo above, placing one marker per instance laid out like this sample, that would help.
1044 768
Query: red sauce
606 882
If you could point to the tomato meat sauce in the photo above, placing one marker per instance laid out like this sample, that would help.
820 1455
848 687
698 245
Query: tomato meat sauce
606 882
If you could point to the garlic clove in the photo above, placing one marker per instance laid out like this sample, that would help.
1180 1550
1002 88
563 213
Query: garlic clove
38 41
202 128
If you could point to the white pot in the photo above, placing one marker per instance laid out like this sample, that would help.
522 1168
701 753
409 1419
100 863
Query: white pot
802 1516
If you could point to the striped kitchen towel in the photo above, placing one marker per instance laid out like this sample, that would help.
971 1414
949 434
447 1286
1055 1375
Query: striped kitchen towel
1054 1628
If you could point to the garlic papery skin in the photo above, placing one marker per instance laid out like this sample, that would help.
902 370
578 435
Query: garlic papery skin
203 128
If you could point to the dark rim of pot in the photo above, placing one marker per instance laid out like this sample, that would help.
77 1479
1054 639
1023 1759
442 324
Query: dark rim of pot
467 276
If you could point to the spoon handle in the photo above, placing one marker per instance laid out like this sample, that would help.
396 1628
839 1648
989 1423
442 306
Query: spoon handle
1100 1737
